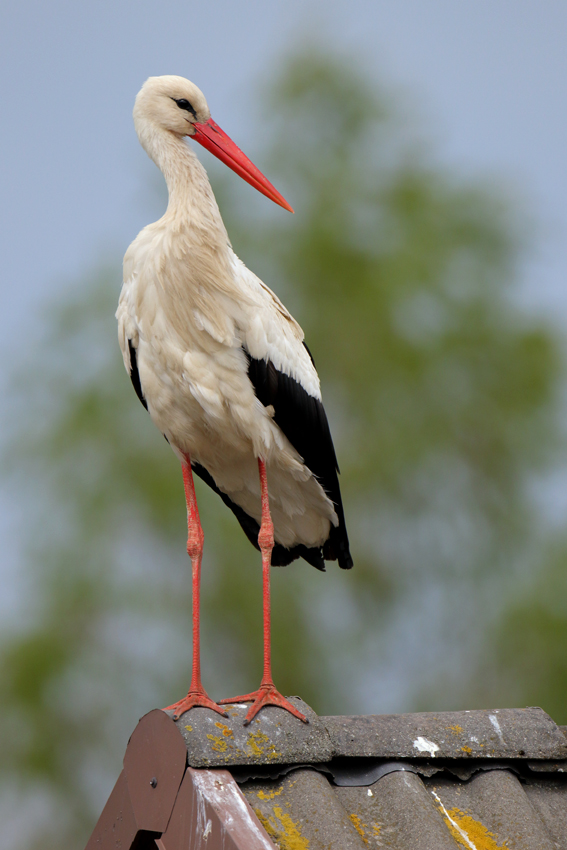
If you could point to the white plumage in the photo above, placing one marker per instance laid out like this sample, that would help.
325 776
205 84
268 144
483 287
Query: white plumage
193 325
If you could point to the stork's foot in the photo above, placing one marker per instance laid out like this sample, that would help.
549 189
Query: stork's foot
196 698
265 695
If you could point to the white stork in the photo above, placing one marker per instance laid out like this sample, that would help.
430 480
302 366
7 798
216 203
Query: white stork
222 368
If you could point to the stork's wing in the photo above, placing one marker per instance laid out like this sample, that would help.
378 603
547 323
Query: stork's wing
303 420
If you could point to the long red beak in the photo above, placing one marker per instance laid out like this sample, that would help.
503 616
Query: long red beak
218 143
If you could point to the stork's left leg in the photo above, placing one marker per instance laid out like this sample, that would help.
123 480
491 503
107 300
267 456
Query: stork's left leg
197 695
266 693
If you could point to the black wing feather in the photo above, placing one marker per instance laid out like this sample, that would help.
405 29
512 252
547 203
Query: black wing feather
303 420
135 375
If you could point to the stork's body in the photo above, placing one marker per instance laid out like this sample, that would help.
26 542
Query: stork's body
218 361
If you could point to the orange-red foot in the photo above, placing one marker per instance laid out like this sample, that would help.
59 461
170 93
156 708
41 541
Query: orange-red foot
265 695
194 699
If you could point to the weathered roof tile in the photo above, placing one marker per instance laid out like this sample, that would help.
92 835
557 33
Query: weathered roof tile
497 733
273 737
302 811
397 811
482 780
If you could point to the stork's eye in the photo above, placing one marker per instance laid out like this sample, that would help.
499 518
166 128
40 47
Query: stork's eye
184 104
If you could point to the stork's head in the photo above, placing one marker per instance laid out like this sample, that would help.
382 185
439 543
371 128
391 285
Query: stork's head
173 103
176 105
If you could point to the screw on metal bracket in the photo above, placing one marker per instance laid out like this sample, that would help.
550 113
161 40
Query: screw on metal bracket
153 782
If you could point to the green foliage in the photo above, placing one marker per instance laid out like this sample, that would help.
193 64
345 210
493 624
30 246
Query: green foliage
524 661
441 396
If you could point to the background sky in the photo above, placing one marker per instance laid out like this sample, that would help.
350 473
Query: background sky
487 80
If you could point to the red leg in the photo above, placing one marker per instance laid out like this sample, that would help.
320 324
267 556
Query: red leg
197 695
266 693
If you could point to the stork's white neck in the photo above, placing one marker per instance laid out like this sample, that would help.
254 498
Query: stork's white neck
191 199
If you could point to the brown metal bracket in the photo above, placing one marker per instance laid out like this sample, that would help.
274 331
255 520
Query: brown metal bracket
212 812
160 802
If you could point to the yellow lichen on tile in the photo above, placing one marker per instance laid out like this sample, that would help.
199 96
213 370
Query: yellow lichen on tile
456 729
226 731
467 750
475 831
189 728
467 831
260 745
219 745
359 826
265 821
269 795
285 833
376 827
291 838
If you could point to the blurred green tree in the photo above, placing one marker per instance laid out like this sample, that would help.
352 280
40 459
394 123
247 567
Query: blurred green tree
524 657
442 399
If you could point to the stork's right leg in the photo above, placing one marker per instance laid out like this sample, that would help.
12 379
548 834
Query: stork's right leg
267 693
197 696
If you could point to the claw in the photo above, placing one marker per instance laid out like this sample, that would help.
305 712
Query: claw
194 699
265 695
